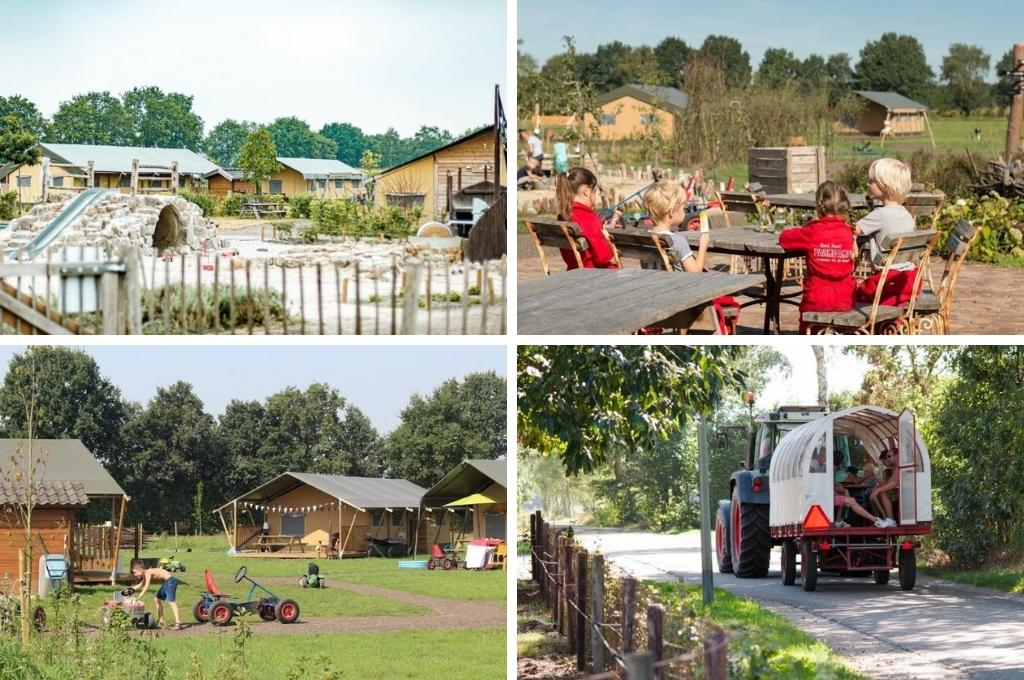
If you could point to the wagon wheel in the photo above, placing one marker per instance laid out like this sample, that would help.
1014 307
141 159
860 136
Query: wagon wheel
220 614
881 576
908 569
788 562
287 611
722 537
808 566
751 544
200 611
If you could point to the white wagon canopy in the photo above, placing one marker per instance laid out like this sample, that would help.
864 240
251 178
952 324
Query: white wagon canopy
810 458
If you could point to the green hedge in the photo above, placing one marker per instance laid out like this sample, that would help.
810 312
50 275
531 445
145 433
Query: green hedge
8 205
341 217
1001 221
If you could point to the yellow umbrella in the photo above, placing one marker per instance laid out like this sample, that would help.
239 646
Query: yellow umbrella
475 499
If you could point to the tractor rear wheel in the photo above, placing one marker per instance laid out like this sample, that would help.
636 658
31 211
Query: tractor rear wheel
788 562
287 611
881 576
751 544
431 564
200 611
808 566
722 537
220 614
908 569
448 564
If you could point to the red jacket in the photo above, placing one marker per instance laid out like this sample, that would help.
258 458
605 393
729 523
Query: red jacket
828 245
599 254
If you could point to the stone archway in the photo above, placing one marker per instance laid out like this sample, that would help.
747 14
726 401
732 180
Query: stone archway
169 232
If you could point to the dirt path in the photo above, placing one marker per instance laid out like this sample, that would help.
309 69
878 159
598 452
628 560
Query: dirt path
938 630
444 614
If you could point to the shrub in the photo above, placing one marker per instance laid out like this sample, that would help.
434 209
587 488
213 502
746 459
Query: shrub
205 200
246 310
947 172
1000 220
298 206
341 217
232 203
8 205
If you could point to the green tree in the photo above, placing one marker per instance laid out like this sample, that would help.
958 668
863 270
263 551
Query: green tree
672 54
17 142
1002 93
294 139
360 443
258 158
388 146
727 54
370 162
902 376
426 139
778 67
895 63
964 70
92 118
224 143
640 66
25 110
350 140
813 73
601 69
459 420
162 119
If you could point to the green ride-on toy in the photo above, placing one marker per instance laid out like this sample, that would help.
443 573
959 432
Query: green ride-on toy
171 563
218 608
312 579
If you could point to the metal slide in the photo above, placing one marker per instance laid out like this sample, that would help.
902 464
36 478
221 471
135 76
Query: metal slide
65 217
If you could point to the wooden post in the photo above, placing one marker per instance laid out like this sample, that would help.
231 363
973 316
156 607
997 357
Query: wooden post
497 143
628 613
640 666
174 177
90 171
655 633
533 546
597 613
135 176
132 290
560 581
411 301
44 177
234 517
581 606
110 283
1013 128
117 542
138 540
715 656
567 620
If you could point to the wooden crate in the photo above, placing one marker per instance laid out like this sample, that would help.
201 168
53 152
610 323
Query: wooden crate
787 169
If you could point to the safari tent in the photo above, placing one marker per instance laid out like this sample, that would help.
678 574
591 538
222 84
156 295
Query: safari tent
628 111
299 514
891 113
469 502
68 479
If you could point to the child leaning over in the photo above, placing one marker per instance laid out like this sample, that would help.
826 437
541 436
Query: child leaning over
666 204
827 242
889 182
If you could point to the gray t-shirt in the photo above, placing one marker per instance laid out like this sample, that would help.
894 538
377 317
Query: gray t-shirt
889 220
682 248
536 149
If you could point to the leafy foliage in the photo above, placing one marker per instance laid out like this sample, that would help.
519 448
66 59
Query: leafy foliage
26 112
343 217
204 199
299 205
92 118
258 158
8 205
163 119
17 142
1001 221
294 139
224 143
895 63
964 70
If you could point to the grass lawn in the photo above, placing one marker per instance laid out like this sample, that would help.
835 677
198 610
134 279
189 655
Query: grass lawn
470 654
1010 580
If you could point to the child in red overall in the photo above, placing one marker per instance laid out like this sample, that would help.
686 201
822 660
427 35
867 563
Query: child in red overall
827 243
575 194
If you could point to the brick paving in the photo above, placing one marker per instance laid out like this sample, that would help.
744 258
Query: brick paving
982 302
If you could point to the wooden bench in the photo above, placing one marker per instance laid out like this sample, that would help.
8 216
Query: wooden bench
258 209
931 310
557 234
914 248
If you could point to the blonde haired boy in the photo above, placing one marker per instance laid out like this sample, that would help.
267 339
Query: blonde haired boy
666 204
889 182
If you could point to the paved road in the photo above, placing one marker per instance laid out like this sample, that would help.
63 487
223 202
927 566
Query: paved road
938 630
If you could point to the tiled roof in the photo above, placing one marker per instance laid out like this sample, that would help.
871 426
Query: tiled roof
52 494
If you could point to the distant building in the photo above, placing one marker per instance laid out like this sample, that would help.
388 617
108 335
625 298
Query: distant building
223 181
631 110
324 177
902 116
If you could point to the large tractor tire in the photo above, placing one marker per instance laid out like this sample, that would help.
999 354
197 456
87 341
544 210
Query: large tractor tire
908 569
751 545
723 538
808 566
788 562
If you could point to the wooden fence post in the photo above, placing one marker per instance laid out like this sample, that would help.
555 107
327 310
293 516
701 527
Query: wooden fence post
44 177
135 176
567 620
581 609
560 581
715 656
90 180
110 283
628 613
655 633
640 666
533 546
597 613
174 178
411 301
132 289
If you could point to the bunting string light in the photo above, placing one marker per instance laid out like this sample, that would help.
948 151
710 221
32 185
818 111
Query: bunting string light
290 509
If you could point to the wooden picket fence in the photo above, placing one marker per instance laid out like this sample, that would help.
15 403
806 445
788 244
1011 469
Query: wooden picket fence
599 615
81 290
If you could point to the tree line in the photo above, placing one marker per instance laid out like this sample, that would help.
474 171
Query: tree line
178 462
894 62
150 117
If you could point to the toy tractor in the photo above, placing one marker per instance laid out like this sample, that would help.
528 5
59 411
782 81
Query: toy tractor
171 563
134 607
444 556
312 579
218 608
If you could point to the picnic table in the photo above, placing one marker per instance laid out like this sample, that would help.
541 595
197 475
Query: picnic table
751 241
620 301
256 208
276 543
857 201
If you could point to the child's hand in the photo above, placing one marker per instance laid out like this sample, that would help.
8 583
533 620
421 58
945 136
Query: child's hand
704 241
613 220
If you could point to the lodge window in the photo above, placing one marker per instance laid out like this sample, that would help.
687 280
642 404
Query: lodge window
606 119
124 181
275 186
377 518
648 118
57 181
405 200
24 180
396 519
437 517
494 525
339 184
321 184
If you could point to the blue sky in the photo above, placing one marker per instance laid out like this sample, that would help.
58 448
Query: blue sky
801 26
379 380
379 64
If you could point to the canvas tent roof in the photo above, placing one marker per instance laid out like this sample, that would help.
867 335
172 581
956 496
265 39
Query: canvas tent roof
321 168
359 492
669 98
891 100
66 460
119 158
47 494
466 478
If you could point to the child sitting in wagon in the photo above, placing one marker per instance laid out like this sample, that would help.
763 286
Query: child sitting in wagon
827 243
889 182
575 196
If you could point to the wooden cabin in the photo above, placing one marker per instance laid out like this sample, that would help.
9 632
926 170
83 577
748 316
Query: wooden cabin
300 514
111 168
424 180
892 111
322 177
631 110
224 181
68 480
469 502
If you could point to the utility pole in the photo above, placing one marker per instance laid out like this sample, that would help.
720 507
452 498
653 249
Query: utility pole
1013 129
707 580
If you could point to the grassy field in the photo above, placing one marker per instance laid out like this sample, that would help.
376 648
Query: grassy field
1009 580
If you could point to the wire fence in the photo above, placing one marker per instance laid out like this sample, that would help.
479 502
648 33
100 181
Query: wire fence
613 624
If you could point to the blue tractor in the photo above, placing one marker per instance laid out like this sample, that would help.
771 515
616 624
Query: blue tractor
743 542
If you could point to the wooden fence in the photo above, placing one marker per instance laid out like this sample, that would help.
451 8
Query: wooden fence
81 290
604 620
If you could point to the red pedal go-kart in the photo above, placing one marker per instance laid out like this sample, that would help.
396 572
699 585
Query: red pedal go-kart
218 608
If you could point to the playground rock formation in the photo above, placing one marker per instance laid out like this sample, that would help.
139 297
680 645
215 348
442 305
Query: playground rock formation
155 223
374 257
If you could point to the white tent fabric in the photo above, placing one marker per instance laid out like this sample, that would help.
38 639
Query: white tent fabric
802 468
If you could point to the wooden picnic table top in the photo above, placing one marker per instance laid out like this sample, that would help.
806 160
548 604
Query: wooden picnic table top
745 240
618 301
857 201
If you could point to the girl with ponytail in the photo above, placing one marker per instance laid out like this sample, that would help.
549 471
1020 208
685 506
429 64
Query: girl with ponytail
575 195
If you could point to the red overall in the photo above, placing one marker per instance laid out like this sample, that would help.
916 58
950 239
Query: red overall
828 245
599 254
